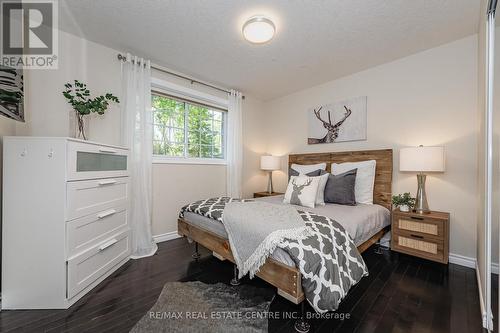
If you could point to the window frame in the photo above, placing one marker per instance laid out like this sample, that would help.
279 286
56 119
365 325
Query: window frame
189 96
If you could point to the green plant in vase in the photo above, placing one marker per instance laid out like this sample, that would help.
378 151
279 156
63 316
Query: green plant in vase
78 95
403 201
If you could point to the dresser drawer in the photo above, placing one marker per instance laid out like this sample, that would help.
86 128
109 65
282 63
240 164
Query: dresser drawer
94 196
92 264
88 231
90 161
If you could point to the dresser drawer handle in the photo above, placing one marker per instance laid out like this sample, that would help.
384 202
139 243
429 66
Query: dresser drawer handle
106 213
107 182
107 244
107 150
416 236
416 218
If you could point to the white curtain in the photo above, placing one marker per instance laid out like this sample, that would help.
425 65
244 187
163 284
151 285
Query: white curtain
137 135
234 145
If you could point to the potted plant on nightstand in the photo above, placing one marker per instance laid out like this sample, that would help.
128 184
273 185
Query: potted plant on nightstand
78 96
403 201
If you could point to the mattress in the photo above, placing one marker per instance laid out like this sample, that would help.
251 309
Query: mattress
361 222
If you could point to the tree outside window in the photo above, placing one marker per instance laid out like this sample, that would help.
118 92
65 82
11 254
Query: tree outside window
187 130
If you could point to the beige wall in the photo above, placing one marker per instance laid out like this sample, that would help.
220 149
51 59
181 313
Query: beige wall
48 113
7 128
254 145
429 98
175 185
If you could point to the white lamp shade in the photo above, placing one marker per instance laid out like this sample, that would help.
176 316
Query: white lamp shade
268 162
421 159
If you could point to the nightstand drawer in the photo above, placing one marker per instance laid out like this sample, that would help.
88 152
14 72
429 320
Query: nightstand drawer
419 225
418 245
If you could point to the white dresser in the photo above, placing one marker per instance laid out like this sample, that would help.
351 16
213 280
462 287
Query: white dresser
65 226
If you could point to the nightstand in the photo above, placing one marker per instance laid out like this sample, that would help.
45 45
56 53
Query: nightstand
265 194
421 235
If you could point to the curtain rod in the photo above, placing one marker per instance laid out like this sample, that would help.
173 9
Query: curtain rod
160 69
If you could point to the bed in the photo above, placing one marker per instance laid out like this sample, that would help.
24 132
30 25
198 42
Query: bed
366 224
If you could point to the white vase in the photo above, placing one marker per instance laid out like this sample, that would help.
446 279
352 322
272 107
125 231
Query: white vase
404 208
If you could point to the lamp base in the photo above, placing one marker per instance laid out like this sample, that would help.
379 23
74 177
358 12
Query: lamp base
421 205
270 183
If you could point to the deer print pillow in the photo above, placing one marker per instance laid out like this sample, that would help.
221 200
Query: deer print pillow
302 191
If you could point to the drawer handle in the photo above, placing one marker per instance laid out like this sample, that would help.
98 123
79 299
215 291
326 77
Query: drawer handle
417 236
416 218
107 182
106 213
107 244
107 150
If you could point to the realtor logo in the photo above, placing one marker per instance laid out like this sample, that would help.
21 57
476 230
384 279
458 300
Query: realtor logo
29 34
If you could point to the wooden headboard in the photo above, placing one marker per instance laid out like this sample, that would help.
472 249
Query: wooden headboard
382 192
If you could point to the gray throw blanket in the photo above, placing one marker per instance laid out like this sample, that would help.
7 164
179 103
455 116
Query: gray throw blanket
328 260
255 229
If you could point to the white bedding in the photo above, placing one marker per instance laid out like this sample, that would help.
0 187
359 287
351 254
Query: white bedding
361 221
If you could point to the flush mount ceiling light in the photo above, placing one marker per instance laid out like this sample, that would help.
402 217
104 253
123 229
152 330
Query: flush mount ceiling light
258 29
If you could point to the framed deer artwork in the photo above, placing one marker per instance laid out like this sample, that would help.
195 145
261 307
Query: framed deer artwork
338 122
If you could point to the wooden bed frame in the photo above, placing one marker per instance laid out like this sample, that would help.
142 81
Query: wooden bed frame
287 279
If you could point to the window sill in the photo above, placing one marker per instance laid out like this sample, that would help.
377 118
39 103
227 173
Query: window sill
200 161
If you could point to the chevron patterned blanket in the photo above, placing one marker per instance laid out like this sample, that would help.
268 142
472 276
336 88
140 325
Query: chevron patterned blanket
328 259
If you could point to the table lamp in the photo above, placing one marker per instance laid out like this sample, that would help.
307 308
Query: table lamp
270 163
421 160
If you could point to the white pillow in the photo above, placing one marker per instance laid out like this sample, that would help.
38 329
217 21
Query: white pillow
365 178
306 168
320 196
302 191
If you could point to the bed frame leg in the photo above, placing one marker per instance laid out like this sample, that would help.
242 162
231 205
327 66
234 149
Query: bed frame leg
196 255
235 281
301 325
378 249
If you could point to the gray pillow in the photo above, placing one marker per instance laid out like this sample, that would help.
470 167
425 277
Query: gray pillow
339 189
315 173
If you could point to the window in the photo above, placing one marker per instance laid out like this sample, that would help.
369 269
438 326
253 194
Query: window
185 129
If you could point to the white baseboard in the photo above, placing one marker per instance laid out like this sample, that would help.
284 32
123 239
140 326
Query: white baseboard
462 260
469 262
166 236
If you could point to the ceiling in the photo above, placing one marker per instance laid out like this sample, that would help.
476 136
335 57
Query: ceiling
316 41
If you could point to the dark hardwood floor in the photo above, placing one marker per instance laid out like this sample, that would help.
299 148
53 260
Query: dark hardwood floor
494 301
401 294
